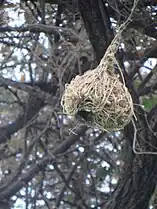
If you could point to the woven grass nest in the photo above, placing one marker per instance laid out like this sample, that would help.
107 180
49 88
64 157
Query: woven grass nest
99 95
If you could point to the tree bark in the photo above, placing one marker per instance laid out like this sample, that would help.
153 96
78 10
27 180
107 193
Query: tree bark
97 23
139 175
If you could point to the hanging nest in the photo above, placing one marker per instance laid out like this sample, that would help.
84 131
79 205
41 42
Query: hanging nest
99 96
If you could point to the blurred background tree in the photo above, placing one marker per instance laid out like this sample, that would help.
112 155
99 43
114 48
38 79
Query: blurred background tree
47 159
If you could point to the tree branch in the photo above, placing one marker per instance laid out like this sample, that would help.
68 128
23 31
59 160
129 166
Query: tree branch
98 26
8 192
147 54
36 101
40 28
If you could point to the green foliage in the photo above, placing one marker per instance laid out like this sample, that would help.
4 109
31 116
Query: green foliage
149 102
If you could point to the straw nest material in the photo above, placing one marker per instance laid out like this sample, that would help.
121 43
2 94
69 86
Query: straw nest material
100 95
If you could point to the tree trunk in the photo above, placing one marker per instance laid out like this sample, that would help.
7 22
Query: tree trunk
139 175
98 26
138 180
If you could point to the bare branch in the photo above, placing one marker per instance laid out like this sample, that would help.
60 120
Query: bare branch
6 193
